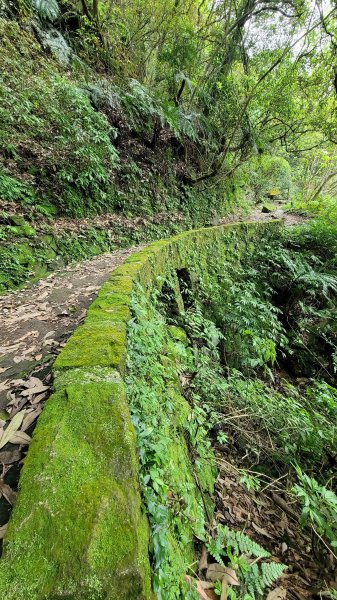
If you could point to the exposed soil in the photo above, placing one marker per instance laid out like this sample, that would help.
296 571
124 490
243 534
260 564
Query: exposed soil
36 322
288 219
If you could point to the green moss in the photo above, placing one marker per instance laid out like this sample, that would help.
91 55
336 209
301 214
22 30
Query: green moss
136 270
117 284
21 227
182 409
268 207
128 269
207 475
78 531
113 314
106 308
95 343
84 375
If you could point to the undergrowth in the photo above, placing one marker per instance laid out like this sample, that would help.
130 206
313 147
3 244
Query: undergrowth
244 359
160 414
238 550
80 144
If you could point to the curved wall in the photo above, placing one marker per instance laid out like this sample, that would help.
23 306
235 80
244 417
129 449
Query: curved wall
78 530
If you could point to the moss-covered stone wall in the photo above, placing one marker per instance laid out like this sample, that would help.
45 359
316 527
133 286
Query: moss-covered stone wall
78 530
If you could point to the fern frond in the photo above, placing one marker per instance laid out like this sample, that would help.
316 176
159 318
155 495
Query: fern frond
254 577
270 572
258 578
241 543
47 9
215 549
253 581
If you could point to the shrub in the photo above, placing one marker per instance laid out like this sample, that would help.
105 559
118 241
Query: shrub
50 131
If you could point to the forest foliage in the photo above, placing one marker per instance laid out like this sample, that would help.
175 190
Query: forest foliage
117 100
195 107
254 349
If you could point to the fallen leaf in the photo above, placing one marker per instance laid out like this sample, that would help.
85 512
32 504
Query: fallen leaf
4 385
51 343
262 531
38 356
224 588
3 369
30 418
3 531
8 457
12 428
17 404
206 585
19 382
211 595
18 359
201 591
217 572
29 351
20 437
35 390
230 577
38 399
43 295
33 382
49 334
185 379
203 563
7 492
277 594
30 334
9 349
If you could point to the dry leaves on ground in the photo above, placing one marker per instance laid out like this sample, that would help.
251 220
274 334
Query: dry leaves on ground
217 572
268 518
35 324
278 593
25 405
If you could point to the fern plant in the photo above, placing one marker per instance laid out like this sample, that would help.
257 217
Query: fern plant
319 506
238 550
230 542
259 577
48 10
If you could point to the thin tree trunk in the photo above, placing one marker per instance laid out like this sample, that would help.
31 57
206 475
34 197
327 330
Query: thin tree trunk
322 186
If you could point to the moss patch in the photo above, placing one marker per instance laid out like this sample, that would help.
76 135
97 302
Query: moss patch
95 343
77 531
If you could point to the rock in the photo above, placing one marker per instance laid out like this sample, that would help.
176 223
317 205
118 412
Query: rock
21 226
268 208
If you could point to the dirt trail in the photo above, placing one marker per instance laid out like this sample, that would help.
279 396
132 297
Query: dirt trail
36 322
257 215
